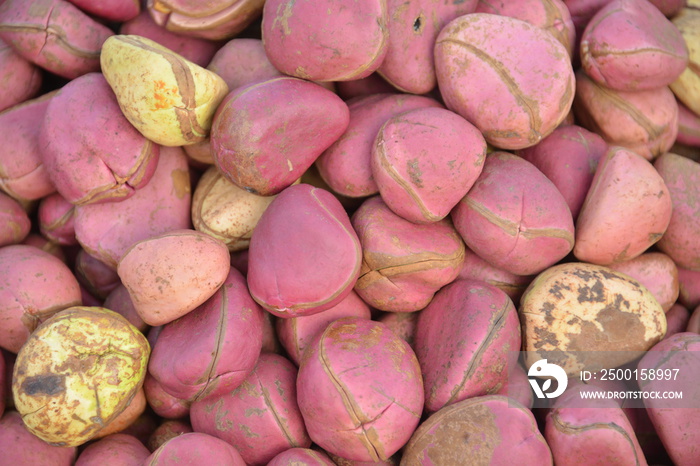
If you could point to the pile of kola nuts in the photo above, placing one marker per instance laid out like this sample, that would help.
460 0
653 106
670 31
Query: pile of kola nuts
318 232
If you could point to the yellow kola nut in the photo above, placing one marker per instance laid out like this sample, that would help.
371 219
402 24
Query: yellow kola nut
169 99
77 372
584 316
687 86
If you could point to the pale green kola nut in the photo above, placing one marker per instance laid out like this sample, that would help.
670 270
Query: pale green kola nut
77 372
169 99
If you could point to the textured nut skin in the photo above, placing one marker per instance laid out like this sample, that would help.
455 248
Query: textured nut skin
54 35
677 319
119 301
403 324
360 390
486 429
19 79
413 28
97 277
15 223
211 350
57 219
33 450
682 177
241 62
403 263
689 281
134 409
476 268
302 456
657 272
116 449
679 428
115 10
167 430
484 67
569 158
199 51
23 174
630 46
170 275
225 211
347 40
207 20
346 164
551 15
424 161
687 86
108 230
626 211
303 267
77 372
514 217
163 403
169 99
92 153
645 122
466 339
261 417
195 448
579 307
267 134
597 433
33 286
296 333
688 127
518 387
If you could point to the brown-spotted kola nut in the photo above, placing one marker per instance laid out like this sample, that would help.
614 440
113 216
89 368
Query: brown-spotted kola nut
587 317
169 99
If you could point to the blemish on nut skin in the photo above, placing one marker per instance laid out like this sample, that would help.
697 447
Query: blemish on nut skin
49 384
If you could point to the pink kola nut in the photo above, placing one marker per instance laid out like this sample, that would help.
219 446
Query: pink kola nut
689 287
199 51
678 428
413 27
33 286
657 272
681 241
261 418
170 275
518 387
514 217
490 429
346 40
301 456
23 174
424 161
14 221
211 350
120 302
372 84
296 333
57 219
163 403
466 339
364 412
167 430
476 268
629 45
116 450
551 15
241 62
677 319
91 151
596 433
346 164
627 209
54 35
510 79
403 324
688 126
107 230
569 158
304 255
694 321
19 79
266 135
96 276
114 10
195 449
19 446
3 383
645 122
404 263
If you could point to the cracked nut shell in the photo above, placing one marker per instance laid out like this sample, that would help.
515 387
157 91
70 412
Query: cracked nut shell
77 372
